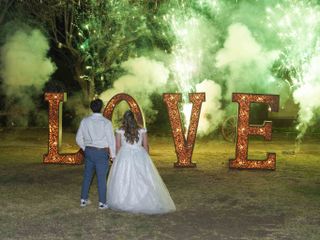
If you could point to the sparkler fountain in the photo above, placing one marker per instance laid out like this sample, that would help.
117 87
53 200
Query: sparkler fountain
296 24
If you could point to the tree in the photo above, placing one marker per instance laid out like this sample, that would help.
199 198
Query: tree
96 35
5 5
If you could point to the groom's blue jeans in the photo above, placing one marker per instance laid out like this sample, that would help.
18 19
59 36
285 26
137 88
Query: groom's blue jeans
96 160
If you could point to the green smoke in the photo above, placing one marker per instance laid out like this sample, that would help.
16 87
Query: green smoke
25 68
217 46
266 47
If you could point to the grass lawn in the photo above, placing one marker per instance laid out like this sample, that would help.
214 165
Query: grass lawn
42 201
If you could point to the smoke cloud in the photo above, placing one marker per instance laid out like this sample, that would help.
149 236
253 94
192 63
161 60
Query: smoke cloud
307 96
266 47
211 113
246 63
24 69
296 24
257 47
144 77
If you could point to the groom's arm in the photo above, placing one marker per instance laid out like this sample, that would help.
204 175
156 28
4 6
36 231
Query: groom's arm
111 140
79 136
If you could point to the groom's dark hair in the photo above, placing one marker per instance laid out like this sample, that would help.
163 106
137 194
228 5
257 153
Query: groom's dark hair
96 105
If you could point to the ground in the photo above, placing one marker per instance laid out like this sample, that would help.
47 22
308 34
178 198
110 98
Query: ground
42 201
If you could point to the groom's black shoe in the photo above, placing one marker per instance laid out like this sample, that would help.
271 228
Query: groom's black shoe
103 206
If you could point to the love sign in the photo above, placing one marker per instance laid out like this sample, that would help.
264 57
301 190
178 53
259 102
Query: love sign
183 145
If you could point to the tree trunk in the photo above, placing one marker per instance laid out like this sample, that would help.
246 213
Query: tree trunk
87 87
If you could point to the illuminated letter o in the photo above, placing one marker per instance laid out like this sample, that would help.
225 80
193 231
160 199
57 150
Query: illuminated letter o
116 99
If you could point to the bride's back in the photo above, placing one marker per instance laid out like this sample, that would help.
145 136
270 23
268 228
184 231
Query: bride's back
125 142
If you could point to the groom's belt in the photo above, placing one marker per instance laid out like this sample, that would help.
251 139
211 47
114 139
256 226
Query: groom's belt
96 148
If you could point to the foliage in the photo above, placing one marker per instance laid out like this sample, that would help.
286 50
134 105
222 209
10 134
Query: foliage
96 35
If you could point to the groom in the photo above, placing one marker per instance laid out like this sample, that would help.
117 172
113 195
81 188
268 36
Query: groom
95 137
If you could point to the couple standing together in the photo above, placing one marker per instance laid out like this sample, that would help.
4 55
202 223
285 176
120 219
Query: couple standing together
134 184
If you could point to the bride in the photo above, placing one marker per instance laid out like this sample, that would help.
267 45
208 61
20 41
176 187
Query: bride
134 184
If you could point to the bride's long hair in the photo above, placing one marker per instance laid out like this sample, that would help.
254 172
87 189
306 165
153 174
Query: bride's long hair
130 127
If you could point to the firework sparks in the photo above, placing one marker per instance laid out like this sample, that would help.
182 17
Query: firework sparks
297 25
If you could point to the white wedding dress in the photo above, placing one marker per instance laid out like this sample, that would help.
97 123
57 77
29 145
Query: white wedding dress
134 184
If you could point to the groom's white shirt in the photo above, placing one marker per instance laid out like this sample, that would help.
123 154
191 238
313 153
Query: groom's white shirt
96 131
